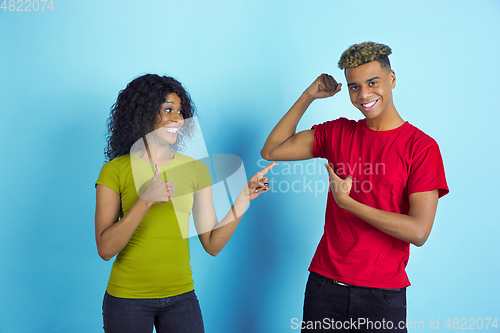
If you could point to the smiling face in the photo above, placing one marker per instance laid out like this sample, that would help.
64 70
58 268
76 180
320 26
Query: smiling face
370 89
170 119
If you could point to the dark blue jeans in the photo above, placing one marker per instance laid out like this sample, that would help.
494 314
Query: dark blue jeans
329 307
179 313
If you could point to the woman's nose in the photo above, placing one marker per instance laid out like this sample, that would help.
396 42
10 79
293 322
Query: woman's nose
176 116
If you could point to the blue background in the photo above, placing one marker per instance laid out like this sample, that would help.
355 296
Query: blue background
244 63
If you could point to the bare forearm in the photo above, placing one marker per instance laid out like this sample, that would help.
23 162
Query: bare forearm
116 237
404 227
413 228
287 126
224 230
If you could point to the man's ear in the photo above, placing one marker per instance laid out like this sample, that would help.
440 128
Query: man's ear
392 78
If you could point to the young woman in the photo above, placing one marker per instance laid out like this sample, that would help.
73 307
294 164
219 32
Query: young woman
144 196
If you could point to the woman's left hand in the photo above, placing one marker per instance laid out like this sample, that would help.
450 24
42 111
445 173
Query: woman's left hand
258 183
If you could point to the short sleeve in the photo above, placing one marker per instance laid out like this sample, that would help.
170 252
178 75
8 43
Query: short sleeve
322 139
427 171
328 137
109 176
203 178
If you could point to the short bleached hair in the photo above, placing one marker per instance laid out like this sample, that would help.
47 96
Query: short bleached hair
363 53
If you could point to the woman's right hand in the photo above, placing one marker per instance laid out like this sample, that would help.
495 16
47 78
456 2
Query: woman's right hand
159 191
112 232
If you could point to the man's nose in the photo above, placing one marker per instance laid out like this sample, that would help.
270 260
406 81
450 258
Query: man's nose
364 92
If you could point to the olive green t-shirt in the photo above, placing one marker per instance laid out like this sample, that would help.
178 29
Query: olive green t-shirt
155 262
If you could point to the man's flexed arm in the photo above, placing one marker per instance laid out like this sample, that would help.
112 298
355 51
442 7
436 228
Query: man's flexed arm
284 144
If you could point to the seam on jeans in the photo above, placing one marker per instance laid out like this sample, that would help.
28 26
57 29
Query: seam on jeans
381 292
323 282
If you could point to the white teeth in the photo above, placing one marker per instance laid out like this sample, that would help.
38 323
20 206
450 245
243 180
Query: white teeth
367 105
171 129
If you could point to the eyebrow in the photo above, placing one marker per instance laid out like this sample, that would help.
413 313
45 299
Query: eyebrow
172 103
370 79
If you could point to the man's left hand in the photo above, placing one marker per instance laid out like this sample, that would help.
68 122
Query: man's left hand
341 188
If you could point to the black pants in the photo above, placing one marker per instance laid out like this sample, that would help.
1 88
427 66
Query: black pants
179 313
329 307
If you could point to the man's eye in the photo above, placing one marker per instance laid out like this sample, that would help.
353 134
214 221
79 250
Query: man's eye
354 87
372 83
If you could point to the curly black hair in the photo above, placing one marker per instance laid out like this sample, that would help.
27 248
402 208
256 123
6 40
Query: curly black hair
363 53
136 109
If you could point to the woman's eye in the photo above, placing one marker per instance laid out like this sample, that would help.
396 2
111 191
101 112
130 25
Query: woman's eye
169 110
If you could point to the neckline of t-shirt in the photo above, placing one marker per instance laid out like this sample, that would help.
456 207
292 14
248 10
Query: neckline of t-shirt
168 164
391 131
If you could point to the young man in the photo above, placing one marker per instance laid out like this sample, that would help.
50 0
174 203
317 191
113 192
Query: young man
385 177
